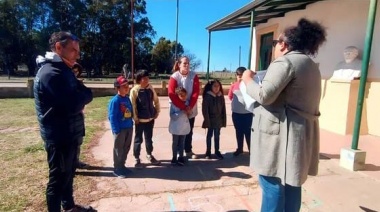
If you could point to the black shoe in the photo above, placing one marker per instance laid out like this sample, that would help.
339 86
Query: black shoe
81 165
120 173
237 153
173 161
81 208
219 155
181 161
153 160
208 155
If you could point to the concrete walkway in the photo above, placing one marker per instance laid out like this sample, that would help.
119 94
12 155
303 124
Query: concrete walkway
229 184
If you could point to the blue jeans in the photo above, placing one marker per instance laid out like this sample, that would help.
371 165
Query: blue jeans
178 145
210 132
277 197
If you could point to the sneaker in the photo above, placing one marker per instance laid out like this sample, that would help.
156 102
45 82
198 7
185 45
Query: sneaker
81 165
181 161
219 155
191 155
174 161
138 164
119 173
81 208
153 160
208 155
237 153
127 171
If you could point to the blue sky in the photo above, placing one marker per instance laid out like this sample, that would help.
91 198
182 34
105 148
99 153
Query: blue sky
194 17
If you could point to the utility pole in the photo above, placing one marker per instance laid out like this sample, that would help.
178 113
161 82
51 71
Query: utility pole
239 55
132 43
176 33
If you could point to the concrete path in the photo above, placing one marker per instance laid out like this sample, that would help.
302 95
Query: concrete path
229 184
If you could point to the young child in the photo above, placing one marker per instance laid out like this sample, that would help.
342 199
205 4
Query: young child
241 117
214 114
179 127
120 115
146 108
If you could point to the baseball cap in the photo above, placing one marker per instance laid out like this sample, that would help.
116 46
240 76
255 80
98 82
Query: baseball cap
121 80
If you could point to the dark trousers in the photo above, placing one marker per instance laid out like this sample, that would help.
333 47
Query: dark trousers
242 124
216 133
121 147
189 137
178 145
147 129
61 158
80 142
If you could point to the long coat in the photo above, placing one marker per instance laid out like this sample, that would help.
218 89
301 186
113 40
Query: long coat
285 141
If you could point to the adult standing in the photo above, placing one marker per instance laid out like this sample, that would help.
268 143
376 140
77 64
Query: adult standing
183 77
286 129
60 98
241 117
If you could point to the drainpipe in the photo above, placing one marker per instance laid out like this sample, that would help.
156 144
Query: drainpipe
253 35
208 56
364 72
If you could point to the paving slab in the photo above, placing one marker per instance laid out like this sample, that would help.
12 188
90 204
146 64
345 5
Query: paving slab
229 184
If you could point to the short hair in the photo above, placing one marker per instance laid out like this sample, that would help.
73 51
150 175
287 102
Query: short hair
180 89
62 37
240 70
140 74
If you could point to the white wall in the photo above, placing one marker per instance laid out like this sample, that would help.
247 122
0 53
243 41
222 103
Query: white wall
346 23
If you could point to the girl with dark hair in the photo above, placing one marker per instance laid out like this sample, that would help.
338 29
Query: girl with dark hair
286 128
241 117
214 114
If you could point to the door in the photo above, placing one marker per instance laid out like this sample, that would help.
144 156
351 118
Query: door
265 50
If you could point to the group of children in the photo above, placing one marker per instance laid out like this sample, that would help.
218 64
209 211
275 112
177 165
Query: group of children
140 106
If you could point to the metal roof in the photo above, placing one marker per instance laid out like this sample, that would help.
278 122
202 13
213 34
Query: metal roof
263 11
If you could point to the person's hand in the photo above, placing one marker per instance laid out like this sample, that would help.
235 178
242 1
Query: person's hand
137 121
248 76
189 111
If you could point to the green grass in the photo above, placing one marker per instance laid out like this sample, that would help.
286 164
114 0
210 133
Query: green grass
24 168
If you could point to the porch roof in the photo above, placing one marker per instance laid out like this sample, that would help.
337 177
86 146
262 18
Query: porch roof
263 11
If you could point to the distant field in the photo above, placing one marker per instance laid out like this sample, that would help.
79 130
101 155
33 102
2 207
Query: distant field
224 77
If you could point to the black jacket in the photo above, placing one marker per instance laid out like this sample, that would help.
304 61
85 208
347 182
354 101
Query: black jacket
60 99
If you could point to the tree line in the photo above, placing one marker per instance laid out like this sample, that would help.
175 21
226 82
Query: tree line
104 27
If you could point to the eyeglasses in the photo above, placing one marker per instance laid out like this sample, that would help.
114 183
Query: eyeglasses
275 42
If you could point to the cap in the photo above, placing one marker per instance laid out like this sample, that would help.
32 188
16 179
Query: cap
121 80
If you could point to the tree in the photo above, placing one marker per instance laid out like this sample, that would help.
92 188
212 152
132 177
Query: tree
163 55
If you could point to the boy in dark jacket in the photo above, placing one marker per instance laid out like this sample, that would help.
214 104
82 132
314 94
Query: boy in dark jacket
146 108
120 115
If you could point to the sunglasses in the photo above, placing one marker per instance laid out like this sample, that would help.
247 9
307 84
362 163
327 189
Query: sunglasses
275 42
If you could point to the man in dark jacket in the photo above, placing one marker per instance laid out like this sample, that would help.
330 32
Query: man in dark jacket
60 99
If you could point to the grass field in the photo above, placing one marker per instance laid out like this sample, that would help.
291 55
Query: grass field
24 168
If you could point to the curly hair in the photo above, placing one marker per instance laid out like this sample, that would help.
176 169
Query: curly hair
306 37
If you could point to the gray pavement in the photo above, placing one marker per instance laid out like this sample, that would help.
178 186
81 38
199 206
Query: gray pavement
229 184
